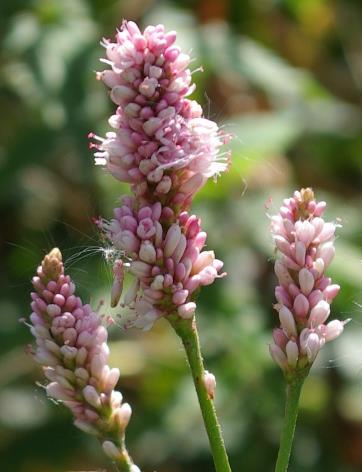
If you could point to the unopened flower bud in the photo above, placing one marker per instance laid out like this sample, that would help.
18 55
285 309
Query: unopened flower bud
140 269
210 383
313 346
86 427
301 305
111 450
335 329
123 415
287 321
278 355
147 252
119 93
172 239
91 396
319 313
292 353
58 392
327 253
187 310
306 281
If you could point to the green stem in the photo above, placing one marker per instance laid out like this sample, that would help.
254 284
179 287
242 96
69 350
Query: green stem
124 463
187 331
294 388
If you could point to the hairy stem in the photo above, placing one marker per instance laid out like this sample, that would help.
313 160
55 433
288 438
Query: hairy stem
187 331
294 388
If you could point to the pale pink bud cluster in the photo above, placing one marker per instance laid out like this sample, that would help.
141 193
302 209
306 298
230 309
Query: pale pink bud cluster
71 346
160 139
165 259
304 294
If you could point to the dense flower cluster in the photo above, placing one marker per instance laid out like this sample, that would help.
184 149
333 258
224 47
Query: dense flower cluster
71 346
160 139
166 150
304 293
165 259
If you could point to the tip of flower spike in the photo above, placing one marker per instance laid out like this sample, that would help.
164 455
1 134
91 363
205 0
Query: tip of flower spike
52 264
90 135
55 252
306 201
307 194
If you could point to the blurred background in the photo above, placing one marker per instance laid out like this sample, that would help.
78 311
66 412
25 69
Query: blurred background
285 78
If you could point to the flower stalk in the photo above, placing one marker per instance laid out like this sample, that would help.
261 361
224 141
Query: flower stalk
293 392
187 331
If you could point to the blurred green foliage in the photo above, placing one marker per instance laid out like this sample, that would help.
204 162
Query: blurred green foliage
285 78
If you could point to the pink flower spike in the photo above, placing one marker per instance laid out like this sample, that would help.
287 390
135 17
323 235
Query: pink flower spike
71 345
150 80
304 292
165 259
